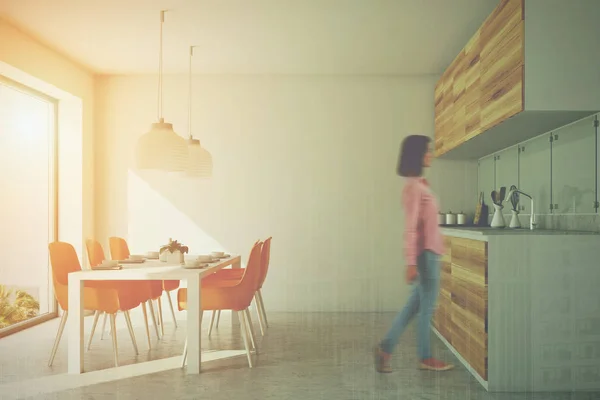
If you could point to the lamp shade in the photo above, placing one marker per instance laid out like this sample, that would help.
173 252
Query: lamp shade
162 149
199 162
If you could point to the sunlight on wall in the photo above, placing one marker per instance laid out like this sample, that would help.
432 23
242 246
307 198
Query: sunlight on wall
153 220
307 160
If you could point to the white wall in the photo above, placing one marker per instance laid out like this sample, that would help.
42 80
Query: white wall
561 55
308 160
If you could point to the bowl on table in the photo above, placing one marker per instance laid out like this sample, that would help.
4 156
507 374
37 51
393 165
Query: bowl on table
153 255
136 257
110 263
205 258
217 254
191 264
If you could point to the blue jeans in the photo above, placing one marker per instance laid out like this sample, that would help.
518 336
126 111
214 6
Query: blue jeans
423 300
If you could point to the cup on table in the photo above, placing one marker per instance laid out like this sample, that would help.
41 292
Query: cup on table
136 257
217 254
204 258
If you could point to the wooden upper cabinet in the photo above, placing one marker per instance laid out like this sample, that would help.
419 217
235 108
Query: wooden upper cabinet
518 77
483 86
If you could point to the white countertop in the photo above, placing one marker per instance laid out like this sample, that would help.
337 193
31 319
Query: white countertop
482 233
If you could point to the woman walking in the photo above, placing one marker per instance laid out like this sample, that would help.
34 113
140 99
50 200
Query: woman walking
423 246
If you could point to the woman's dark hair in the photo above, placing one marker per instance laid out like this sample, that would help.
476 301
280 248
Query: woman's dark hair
412 152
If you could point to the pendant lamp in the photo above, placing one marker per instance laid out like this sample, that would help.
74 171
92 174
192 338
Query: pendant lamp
161 148
199 161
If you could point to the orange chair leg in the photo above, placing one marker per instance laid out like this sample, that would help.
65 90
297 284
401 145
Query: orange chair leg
245 337
262 307
96 317
113 328
160 318
131 333
146 324
172 309
250 329
61 328
212 321
103 327
153 315
260 315
218 318
184 357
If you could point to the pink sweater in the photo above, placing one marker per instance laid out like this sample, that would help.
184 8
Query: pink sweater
421 231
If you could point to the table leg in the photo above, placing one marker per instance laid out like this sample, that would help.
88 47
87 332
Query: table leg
194 325
75 326
235 321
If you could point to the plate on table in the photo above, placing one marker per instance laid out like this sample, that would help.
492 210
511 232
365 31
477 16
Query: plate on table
221 257
135 261
194 266
218 255
107 267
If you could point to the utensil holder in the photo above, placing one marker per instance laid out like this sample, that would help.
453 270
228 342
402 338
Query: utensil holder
514 220
498 218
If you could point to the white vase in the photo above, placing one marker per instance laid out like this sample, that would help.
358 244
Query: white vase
174 258
498 218
514 220
163 256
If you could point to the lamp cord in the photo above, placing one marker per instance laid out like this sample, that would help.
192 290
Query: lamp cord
190 93
160 67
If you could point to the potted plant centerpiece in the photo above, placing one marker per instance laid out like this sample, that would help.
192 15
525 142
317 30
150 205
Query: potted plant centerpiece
173 252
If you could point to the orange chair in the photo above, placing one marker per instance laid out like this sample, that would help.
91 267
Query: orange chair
96 257
119 250
236 274
231 295
104 296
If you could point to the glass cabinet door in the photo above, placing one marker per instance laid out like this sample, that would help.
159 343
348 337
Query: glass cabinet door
507 172
534 175
486 178
574 168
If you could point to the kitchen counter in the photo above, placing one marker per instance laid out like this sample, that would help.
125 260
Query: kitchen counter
520 308
482 232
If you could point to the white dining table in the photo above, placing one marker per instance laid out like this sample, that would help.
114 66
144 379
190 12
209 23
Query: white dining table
149 270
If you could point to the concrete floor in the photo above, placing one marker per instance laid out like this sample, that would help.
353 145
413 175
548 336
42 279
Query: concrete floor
303 356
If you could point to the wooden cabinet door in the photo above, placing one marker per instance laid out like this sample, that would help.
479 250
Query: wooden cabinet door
473 87
483 86
470 302
442 316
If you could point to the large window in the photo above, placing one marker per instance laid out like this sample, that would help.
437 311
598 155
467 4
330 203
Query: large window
28 212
